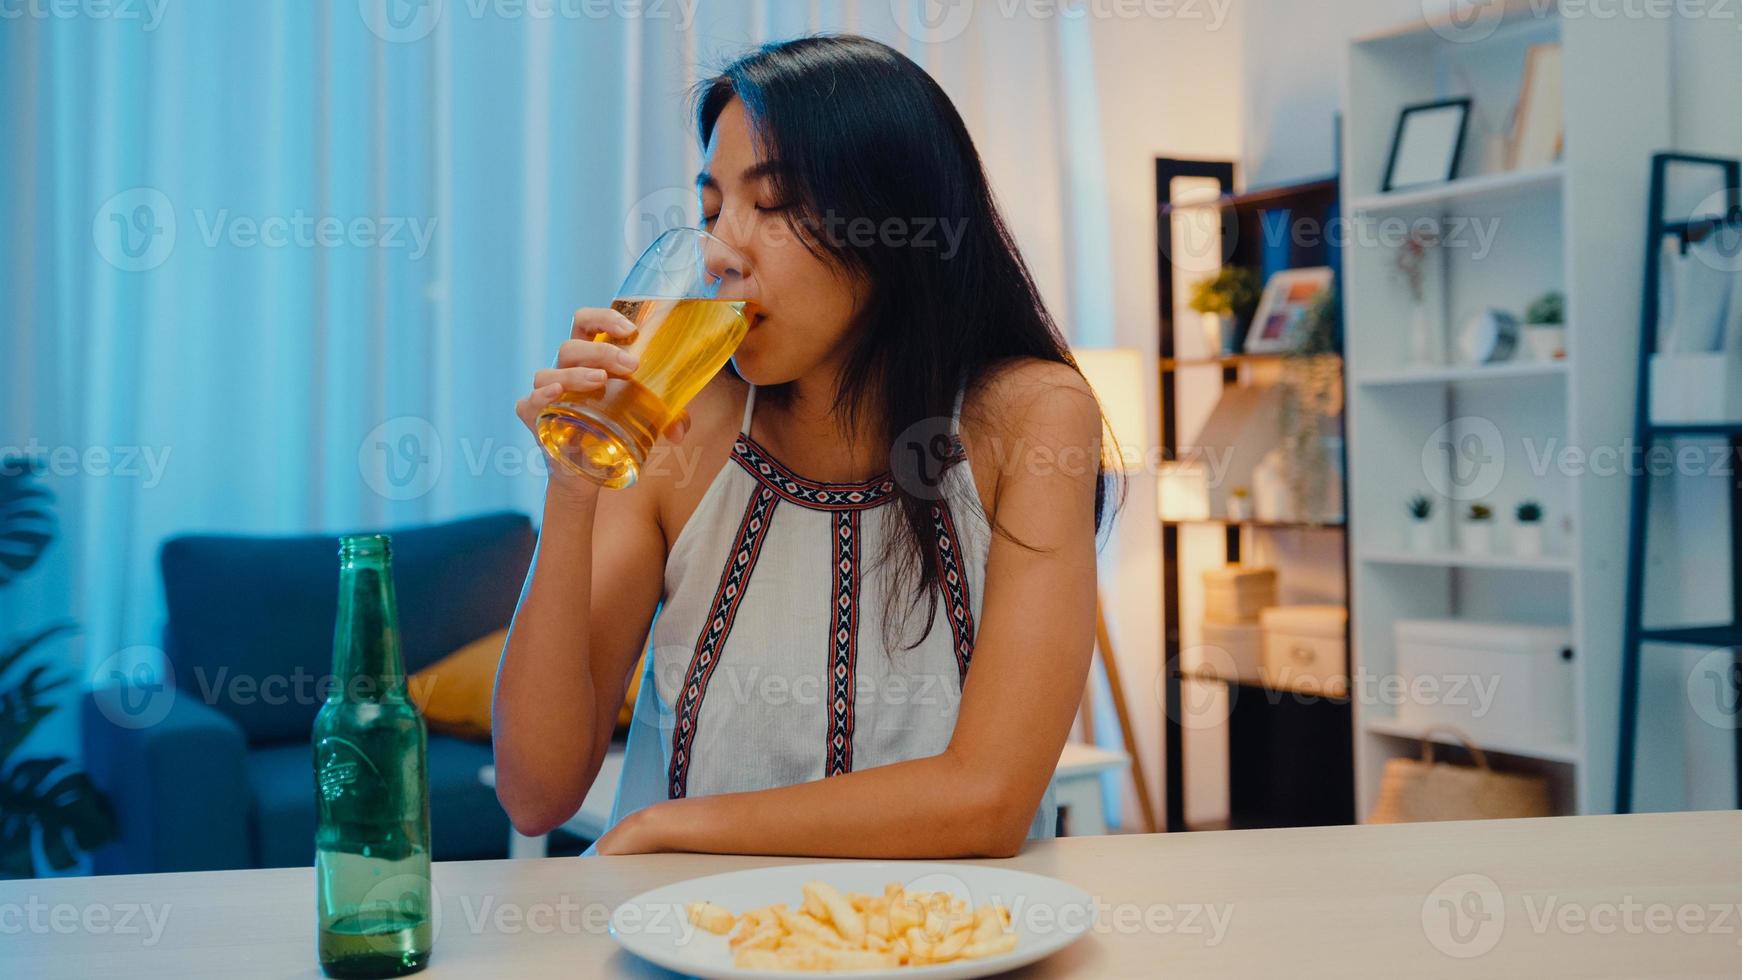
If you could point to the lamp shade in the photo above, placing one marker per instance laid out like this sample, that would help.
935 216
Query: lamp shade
1116 375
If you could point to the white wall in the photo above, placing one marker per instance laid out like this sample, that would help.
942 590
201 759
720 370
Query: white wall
1166 87
1293 71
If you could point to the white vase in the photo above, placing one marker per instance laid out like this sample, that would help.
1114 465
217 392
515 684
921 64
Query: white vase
1527 540
1212 327
1236 508
1425 346
1424 537
1545 342
1477 537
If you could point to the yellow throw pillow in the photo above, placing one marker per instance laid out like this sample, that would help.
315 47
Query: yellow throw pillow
454 693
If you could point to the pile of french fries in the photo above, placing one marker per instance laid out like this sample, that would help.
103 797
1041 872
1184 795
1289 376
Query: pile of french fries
831 931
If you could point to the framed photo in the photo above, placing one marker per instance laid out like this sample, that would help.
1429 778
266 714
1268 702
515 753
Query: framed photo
1425 149
1287 297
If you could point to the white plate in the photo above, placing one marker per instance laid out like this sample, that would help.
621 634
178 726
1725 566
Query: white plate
1047 914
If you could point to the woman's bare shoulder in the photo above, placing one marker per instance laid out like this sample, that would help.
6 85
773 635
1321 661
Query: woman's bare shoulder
1028 416
1030 396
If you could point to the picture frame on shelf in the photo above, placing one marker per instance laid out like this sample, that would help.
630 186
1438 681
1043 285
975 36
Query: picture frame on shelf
1288 297
1427 145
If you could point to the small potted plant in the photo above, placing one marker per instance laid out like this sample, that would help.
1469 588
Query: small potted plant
1225 299
1478 536
1239 501
1528 535
1421 529
1545 328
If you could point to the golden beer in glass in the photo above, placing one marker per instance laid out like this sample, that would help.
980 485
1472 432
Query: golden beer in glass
691 305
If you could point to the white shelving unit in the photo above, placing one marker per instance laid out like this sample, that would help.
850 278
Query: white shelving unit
1502 433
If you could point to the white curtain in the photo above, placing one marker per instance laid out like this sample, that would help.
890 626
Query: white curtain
285 265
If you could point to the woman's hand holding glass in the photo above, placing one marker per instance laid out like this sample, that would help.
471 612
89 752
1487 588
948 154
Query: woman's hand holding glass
583 364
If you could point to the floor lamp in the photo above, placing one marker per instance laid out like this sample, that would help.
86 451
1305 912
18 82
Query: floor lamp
1116 375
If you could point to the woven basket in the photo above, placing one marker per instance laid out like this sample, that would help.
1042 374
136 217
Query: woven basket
1417 790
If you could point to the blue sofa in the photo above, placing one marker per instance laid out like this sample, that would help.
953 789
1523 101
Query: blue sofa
224 779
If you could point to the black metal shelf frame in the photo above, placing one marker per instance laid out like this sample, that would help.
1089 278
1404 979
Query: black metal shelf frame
1646 434
1295 738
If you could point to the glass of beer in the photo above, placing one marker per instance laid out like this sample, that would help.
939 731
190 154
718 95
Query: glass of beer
691 298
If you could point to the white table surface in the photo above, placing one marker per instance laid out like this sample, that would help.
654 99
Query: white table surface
1584 896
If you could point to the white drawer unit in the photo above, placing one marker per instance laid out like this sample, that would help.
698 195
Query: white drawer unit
1501 683
1304 648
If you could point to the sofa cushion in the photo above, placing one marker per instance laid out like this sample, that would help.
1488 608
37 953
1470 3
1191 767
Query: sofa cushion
250 627
465 819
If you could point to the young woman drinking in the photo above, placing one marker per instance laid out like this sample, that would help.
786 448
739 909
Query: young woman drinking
842 660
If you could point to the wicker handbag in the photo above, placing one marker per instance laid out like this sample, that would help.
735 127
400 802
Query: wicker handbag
1416 790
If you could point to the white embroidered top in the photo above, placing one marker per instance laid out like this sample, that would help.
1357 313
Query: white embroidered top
767 661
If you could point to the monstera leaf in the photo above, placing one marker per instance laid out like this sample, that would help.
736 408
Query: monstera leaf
26 521
45 803
23 705
62 803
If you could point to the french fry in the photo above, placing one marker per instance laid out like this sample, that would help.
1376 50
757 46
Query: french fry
813 905
831 931
951 946
711 917
847 920
990 947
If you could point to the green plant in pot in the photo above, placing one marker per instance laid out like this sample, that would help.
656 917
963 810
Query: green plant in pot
1423 534
1230 296
1477 535
1545 327
1312 399
1527 536
48 808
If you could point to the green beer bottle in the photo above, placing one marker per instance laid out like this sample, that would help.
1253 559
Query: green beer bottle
372 876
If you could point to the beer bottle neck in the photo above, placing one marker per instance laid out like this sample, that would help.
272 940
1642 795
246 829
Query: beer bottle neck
366 660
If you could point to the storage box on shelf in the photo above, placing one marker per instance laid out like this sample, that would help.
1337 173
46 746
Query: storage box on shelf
1499 683
1529 427
1304 648
1238 593
1230 651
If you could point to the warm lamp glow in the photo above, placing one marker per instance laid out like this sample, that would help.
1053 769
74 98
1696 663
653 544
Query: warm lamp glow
1116 374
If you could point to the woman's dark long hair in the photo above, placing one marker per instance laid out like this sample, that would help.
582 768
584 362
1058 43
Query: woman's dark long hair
862 132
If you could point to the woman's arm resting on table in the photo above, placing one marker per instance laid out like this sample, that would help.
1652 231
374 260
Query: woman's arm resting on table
1031 657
